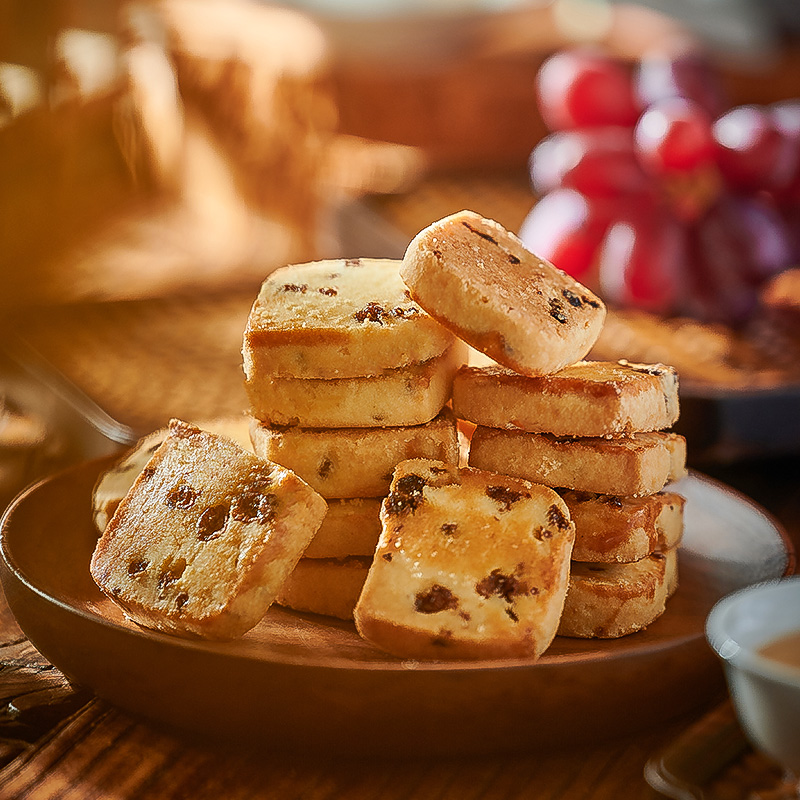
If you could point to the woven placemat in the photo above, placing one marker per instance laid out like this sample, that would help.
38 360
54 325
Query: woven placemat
143 362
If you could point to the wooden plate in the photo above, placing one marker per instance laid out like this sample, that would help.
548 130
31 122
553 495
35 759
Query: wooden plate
308 682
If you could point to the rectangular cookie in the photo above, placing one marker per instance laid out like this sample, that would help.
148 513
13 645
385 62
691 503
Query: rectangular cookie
205 537
410 395
589 398
342 318
469 565
355 462
639 464
479 281
612 528
327 586
350 528
607 601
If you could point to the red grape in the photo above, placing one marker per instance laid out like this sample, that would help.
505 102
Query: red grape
595 161
719 289
566 228
689 76
641 261
583 88
674 136
786 118
752 153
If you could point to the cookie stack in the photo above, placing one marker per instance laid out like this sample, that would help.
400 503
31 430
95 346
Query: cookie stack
346 376
591 430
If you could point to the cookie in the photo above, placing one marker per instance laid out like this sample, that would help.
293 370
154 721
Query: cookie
327 586
343 318
355 462
636 465
411 395
350 528
480 282
205 538
590 398
611 528
469 565
114 483
608 601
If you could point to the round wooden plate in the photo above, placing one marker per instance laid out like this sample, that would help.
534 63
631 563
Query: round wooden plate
309 683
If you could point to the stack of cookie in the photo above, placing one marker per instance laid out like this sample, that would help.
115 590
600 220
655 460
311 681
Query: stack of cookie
346 377
592 430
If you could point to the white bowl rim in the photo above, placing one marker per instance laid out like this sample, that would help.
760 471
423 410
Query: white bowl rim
736 655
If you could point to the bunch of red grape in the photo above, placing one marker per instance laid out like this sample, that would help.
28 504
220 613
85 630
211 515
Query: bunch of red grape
656 194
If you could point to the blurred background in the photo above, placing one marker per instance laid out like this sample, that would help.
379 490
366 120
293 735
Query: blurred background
159 158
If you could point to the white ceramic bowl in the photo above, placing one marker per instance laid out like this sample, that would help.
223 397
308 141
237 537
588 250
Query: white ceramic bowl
765 693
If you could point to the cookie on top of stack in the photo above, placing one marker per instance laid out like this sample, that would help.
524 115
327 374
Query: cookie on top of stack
346 377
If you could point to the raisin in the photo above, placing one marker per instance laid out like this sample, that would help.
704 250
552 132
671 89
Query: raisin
449 528
148 473
372 312
591 302
437 598
137 566
328 291
483 235
182 496
352 262
171 574
612 500
506 586
254 506
557 311
293 287
325 467
436 253
572 298
542 533
406 496
387 556
512 258
211 522
404 313
512 614
555 516
504 496
181 600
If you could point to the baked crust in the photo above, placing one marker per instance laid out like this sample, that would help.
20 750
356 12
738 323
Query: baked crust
343 318
350 528
610 528
355 462
469 565
481 283
635 465
589 398
205 538
410 395
608 601
327 586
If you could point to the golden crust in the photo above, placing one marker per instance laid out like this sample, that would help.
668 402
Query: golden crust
480 282
327 586
411 395
469 565
589 398
205 537
612 600
636 465
610 528
350 528
343 318
355 462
